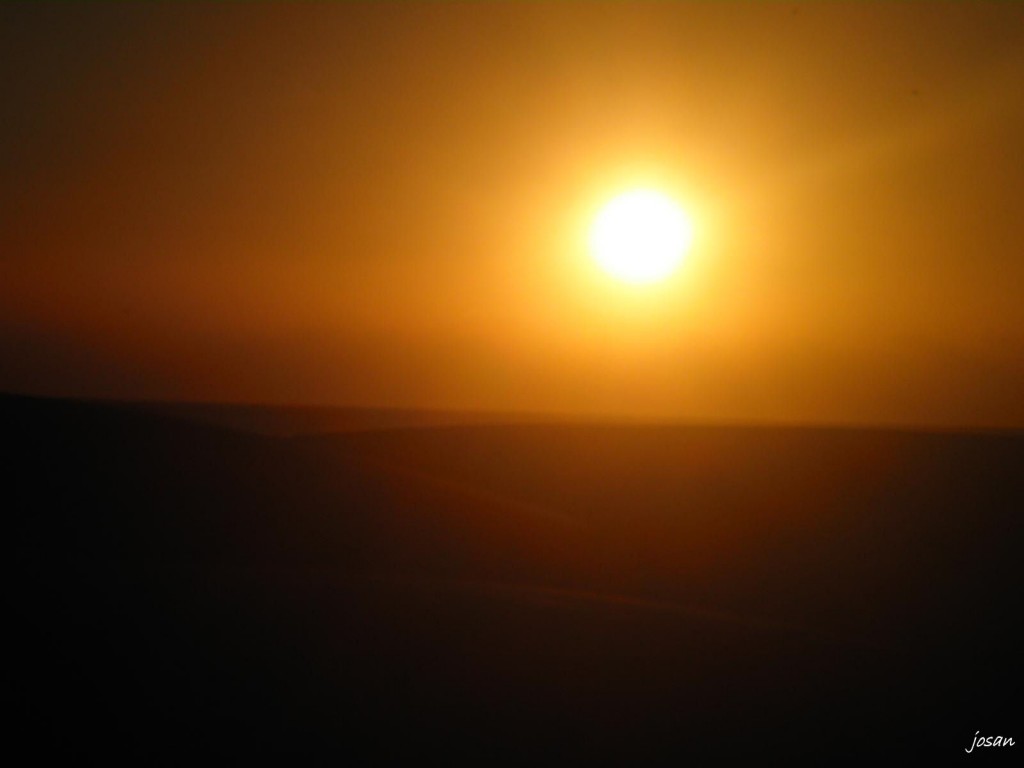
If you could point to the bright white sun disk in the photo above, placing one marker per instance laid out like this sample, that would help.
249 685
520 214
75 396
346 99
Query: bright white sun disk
641 236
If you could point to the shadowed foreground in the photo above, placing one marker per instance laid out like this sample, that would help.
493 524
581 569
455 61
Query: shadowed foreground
526 591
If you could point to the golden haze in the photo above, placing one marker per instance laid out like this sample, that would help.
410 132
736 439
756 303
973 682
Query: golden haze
389 206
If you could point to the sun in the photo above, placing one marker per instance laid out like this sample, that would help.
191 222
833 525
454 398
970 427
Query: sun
641 236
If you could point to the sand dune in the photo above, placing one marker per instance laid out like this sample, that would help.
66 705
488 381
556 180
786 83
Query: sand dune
522 591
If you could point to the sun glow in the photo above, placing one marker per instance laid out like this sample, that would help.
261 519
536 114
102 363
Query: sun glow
641 236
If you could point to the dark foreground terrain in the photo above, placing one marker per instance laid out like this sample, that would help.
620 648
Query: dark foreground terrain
531 592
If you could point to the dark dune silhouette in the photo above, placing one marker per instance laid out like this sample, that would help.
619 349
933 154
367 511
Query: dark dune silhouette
537 591
291 420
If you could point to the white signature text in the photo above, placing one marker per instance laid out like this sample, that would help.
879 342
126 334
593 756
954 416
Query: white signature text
989 741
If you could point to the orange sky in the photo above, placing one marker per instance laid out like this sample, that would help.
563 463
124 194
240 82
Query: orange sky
387 205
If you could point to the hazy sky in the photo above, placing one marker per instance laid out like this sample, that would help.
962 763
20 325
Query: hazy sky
388 205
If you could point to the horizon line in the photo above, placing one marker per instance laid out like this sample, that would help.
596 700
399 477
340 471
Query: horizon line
524 417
